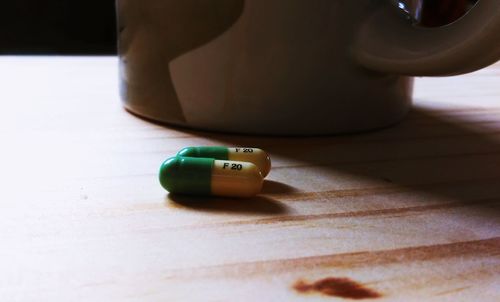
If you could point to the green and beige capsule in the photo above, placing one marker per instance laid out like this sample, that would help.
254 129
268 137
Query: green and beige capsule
210 177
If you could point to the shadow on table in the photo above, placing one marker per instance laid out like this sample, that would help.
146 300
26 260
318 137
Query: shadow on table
258 205
453 155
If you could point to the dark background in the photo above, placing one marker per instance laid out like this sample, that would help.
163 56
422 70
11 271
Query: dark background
57 27
88 26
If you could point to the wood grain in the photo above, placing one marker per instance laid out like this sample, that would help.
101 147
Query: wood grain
407 213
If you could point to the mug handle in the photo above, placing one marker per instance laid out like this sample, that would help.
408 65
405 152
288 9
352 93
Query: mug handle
389 43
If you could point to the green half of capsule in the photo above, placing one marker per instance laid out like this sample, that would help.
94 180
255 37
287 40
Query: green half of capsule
221 153
187 175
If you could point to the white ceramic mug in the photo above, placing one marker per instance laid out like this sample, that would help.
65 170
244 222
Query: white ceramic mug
293 67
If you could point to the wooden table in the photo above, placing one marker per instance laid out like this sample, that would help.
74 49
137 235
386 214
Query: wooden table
409 213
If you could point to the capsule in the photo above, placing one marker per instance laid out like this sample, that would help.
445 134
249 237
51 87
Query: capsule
258 157
208 176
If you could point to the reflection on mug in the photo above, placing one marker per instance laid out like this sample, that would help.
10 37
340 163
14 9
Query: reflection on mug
431 13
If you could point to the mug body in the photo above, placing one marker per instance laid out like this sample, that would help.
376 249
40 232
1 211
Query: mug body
281 67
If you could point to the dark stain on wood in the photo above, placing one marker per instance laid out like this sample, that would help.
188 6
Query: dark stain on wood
337 287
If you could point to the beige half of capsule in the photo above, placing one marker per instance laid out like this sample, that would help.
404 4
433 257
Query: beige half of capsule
235 179
256 156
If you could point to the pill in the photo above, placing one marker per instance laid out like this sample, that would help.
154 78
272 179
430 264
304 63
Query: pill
208 176
256 156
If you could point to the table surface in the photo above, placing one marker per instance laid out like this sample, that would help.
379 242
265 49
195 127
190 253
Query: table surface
409 213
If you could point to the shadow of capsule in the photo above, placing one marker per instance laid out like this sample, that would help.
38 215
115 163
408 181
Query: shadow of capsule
258 205
272 187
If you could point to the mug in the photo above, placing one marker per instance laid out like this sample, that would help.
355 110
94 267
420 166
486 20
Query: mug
288 67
